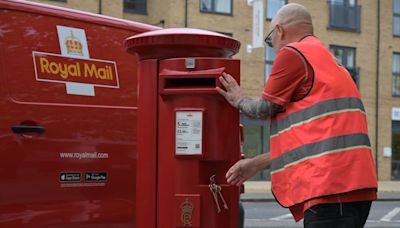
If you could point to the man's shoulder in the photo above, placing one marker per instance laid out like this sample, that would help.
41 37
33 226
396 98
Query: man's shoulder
289 54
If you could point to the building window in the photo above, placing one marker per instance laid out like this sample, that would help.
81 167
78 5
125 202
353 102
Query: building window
396 17
344 14
256 141
273 6
216 6
396 75
269 60
346 56
395 150
135 6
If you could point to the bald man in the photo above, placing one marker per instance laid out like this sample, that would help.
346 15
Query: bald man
321 163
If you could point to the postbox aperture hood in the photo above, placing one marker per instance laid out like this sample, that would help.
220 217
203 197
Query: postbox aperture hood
181 42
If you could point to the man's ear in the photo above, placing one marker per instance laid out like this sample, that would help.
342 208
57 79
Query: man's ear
280 31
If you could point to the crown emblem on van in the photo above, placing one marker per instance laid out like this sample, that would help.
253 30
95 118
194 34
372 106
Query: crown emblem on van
74 46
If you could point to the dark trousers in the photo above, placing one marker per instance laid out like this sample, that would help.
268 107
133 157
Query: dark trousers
337 215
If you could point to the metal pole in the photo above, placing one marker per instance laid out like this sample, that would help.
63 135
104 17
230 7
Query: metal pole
378 34
186 13
100 9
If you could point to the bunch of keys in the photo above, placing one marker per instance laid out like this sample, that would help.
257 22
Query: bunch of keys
216 191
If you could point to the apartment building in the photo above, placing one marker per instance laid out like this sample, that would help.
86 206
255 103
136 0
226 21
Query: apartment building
364 35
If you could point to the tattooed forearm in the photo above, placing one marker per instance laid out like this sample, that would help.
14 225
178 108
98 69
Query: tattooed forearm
256 108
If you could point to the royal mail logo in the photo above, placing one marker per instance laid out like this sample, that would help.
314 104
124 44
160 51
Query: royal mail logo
73 45
74 67
57 68
73 42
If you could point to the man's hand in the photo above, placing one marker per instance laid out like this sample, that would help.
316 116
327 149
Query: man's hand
246 168
240 172
233 93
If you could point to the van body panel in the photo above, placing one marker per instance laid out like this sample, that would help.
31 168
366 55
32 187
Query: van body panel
65 72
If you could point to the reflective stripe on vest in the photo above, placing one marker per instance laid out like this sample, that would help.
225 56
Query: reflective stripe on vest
319 110
312 150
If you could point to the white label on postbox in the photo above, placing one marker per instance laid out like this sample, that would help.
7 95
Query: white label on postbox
189 132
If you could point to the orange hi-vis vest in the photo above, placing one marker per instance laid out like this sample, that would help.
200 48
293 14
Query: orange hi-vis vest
319 144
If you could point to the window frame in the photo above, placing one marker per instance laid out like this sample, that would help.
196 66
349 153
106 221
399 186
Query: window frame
268 62
215 12
345 6
133 11
395 15
395 75
266 9
355 69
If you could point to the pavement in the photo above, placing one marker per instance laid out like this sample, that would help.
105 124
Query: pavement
260 191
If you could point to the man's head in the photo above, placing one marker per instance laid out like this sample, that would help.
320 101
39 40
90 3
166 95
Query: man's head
291 23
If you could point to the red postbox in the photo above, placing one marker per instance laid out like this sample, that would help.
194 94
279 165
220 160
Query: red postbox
187 132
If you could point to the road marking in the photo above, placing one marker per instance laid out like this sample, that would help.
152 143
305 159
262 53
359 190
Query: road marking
379 221
388 217
282 217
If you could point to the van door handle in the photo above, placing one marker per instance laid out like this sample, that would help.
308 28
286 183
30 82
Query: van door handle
20 129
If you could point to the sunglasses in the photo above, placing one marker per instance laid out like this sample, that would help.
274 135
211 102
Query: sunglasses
268 40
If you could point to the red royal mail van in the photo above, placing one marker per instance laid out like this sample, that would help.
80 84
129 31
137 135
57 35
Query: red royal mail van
68 104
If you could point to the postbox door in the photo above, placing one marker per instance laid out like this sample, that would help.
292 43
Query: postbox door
198 137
